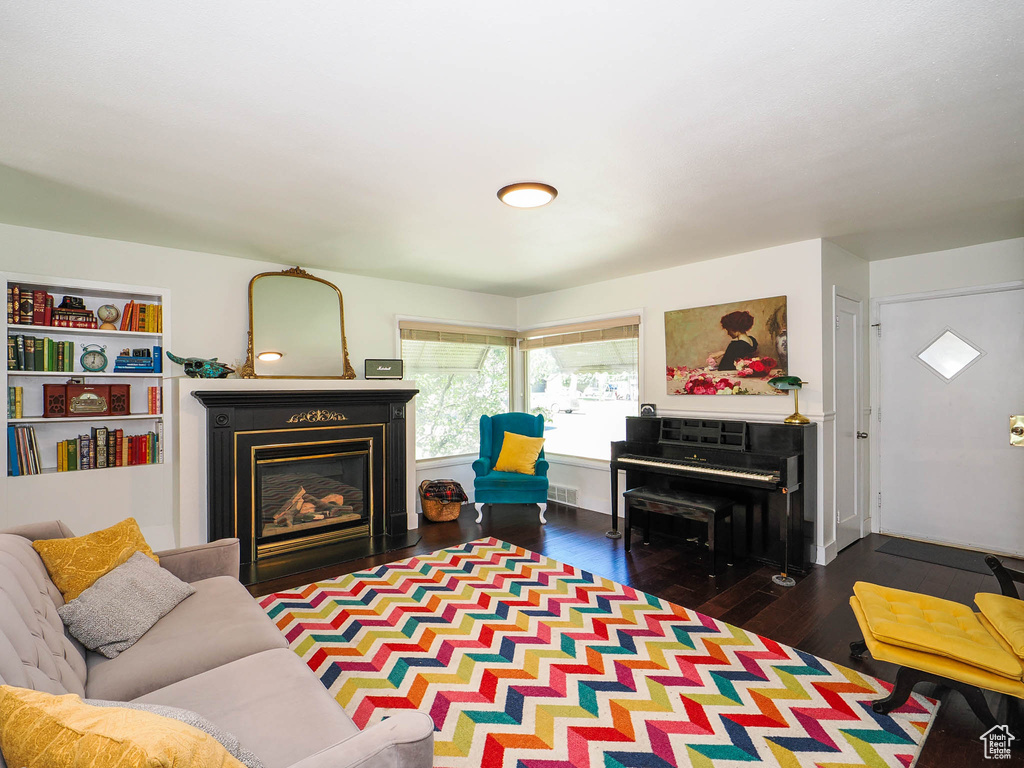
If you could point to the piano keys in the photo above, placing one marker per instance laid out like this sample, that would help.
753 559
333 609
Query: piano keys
770 467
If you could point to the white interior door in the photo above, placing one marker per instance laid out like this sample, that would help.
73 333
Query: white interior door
952 372
849 454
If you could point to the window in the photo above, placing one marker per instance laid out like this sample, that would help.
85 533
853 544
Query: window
461 373
584 379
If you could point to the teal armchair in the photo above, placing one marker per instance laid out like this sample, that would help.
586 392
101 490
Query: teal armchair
492 487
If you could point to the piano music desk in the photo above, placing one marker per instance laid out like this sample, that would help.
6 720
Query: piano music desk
710 510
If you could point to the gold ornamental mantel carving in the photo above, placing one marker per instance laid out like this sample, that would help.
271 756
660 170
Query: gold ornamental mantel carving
316 415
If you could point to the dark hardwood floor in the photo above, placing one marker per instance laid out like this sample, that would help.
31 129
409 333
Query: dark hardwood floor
814 616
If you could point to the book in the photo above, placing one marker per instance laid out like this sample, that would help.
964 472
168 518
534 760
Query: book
15 313
40 357
19 407
12 354
160 442
99 437
120 448
25 308
13 469
48 311
19 351
83 452
30 353
72 454
10 304
37 464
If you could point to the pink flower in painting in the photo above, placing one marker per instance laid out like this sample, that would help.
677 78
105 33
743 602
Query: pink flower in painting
754 366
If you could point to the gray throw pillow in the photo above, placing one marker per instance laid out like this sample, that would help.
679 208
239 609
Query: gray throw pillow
121 606
187 716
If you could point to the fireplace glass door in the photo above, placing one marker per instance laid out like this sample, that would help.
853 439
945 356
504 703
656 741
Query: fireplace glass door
298 497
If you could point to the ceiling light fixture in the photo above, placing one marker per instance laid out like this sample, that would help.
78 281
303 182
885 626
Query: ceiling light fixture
527 194
269 356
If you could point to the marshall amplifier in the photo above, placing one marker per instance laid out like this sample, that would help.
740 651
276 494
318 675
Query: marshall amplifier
383 369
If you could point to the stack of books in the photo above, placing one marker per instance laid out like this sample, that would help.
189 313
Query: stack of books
35 307
22 451
140 361
15 409
28 353
102 448
146 318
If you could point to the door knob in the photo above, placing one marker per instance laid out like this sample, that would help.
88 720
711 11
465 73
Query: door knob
862 435
1017 430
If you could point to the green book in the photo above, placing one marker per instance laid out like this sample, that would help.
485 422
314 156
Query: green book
40 356
72 454
69 357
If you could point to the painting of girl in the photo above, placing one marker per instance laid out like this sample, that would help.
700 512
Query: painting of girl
697 363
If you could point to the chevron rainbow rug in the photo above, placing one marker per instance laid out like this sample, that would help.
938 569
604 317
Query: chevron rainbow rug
526 662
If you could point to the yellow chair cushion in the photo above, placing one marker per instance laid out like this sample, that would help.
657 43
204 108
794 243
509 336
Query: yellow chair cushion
519 454
40 730
74 564
930 662
935 626
1006 614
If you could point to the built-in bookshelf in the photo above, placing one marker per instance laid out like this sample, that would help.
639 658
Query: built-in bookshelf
65 415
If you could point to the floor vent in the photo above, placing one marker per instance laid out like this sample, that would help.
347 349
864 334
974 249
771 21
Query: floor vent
563 495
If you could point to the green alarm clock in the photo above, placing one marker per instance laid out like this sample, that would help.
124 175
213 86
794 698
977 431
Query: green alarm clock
93 360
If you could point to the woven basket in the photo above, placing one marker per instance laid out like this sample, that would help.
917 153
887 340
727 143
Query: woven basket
440 511
437 511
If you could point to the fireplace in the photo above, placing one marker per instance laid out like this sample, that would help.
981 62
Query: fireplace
306 479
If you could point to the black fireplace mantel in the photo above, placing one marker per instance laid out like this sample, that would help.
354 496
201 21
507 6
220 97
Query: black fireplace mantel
238 419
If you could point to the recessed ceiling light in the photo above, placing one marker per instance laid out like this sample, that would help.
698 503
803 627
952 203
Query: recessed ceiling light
527 194
269 356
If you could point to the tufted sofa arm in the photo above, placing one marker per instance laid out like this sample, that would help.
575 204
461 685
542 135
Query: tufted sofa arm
202 561
404 740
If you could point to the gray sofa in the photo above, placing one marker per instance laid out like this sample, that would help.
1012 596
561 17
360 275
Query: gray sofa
216 653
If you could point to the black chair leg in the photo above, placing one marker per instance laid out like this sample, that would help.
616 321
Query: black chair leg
627 523
907 678
857 649
647 526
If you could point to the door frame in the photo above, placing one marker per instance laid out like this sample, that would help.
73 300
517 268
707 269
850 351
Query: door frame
875 430
862 382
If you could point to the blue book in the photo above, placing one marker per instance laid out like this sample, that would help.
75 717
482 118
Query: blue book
158 359
12 453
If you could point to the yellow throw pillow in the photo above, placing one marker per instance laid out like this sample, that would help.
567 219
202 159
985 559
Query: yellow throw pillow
1006 614
519 454
74 564
40 730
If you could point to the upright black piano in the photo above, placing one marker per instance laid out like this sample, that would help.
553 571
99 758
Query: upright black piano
768 468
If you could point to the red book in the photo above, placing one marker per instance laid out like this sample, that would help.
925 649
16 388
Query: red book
48 311
38 307
119 450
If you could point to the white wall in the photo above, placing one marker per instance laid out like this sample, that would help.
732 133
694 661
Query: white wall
985 264
209 318
793 270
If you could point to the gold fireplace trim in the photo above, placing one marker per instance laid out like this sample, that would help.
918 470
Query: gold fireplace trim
310 541
291 545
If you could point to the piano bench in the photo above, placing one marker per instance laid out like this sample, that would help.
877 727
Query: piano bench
710 510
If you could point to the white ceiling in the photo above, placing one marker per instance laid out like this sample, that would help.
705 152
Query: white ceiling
371 137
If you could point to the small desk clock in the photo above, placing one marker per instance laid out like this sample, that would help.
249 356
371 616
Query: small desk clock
94 358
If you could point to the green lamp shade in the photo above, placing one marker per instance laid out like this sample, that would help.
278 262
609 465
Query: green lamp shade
786 382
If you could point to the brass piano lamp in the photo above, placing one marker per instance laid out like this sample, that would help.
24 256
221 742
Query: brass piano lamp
794 383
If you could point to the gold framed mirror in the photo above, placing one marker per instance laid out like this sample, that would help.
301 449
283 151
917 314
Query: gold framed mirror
296 328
